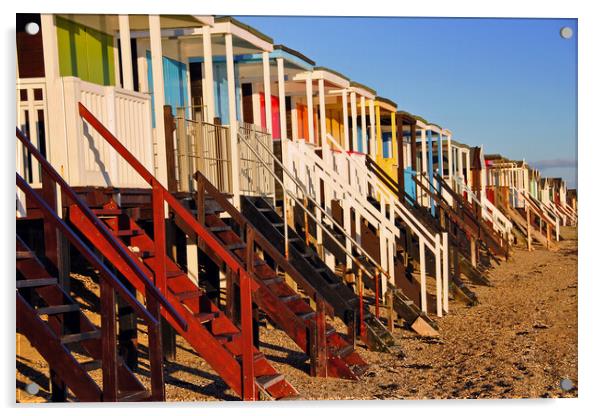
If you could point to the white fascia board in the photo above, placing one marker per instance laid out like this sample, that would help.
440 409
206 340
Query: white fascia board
330 77
434 128
239 32
362 92
420 125
205 20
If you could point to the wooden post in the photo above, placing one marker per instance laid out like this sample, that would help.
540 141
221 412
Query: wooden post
360 294
473 251
246 320
528 211
391 310
318 346
155 346
109 341
400 158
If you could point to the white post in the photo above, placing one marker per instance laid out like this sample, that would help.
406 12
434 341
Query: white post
450 160
282 99
423 167
232 119
310 109
345 121
126 52
154 24
294 121
354 120
364 131
438 281
322 103
57 154
445 273
372 129
208 91
422 275
267 90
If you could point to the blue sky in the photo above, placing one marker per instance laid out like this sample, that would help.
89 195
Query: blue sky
508 84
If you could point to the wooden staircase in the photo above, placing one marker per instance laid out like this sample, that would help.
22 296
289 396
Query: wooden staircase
284 306
331 354
43 309
210 332
346 304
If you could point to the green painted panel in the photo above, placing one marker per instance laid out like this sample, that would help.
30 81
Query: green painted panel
85 53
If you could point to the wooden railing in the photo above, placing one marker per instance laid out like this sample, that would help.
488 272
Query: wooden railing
255 177
297 193
48 204
161 198
204 147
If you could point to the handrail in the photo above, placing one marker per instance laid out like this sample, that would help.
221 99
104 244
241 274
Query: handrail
102 228
486 207
318 223
490 232
400 209
347 189
265 245
85 251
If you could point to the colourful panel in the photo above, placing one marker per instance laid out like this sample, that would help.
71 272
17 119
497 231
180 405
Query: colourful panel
174 83
85 53
275 115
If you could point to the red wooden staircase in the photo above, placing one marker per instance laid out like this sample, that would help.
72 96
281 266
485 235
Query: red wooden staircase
53 322
331 354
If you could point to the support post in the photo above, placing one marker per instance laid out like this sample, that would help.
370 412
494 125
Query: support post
108 327
310 109
154 23
322 103
318 346
282 100
208 89
246 319
126 52
267 90
232 121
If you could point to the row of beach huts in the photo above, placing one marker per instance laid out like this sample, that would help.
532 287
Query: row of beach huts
211 180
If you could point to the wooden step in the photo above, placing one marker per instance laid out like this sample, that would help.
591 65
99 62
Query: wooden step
205 317
174 274
91 365
273 280
289 298
227 337
128 233
345 351
107 212
219 229
306 315
36 282
268 381
278 224
265 209
82 336
133 396
236 246
56 309
23 255
190 294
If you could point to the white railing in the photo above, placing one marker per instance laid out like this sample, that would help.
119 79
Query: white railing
127 114
295 192
203 147
488 210
546 211
436 243
255 177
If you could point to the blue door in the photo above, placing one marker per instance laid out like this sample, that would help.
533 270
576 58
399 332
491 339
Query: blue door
174 83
